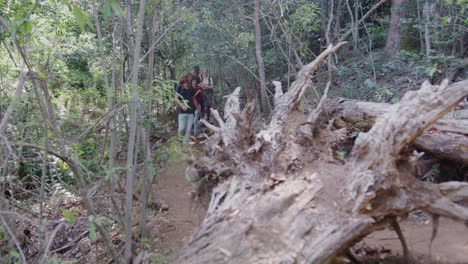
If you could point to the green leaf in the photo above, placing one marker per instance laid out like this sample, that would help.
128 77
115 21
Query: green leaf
42 75
92 231
81 18
14 253
431 71
395 100
369 83
341 154
111 8
26 27
92 227
69 216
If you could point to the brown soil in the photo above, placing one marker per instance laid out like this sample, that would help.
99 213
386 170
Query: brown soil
175 225
449 246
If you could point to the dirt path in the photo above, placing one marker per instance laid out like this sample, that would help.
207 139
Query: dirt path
450 245
175 225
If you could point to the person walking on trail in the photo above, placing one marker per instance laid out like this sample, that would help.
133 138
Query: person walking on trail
187 104
207 85
196 74
200 95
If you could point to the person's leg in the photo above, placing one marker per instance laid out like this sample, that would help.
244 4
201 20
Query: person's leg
188 128
197 124
181 124
208 106
210 94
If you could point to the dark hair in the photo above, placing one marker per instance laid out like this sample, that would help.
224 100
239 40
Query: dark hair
196 68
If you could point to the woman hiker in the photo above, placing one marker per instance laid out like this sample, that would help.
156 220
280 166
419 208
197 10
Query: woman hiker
207 85
200 95
185 99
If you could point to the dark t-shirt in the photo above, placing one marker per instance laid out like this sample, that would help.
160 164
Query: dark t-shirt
199 97
187 96
197 77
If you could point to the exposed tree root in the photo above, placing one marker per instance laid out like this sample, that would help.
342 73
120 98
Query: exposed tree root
284 199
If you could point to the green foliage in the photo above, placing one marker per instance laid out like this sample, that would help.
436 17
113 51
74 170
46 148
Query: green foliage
341 155
81 18
111 8
432 174
93 221
69 216
92 228
382 94
305 17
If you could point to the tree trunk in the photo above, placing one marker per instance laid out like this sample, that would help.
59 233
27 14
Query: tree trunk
354 25
447 138
149 172
14 100
427 33
393 45
283 197
260 64
135 49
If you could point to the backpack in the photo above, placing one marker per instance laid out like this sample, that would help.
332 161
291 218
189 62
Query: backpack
209 79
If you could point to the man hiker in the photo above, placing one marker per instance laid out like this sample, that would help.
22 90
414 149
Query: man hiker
196 74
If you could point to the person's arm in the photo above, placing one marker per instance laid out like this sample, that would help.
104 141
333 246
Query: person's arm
210 86
195 103
178 102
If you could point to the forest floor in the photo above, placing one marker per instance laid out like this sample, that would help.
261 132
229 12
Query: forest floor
449 246
174 227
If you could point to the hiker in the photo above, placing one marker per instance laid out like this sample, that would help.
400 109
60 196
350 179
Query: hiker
185 99
207 85
200 95
196 74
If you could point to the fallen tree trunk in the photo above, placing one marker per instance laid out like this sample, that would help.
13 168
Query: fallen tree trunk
283 197
447 138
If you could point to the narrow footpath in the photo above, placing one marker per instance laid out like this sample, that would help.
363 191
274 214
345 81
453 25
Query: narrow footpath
180 215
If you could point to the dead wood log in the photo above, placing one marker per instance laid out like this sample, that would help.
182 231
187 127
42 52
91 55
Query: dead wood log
447 138
284 200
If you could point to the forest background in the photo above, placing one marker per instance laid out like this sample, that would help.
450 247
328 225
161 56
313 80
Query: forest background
87 92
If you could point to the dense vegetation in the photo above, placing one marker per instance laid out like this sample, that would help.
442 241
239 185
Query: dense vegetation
87 91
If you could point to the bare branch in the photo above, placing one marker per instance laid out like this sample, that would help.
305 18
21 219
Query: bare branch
15 240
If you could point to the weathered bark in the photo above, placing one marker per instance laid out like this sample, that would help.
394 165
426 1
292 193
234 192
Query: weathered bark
447 138
393 45
284 200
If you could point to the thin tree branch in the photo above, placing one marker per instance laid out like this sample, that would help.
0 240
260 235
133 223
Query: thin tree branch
15 240
364 17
